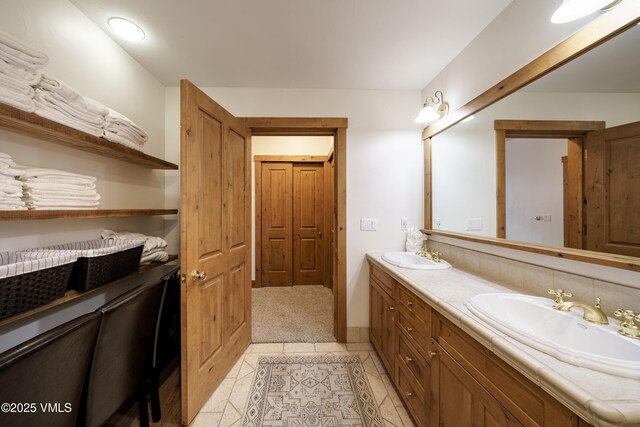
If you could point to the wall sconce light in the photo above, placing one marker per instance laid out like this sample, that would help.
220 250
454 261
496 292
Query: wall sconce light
570 10
433 110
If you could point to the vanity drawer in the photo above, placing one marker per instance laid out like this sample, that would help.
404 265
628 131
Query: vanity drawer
413 398
525 400
413 362
385 281
412 304
414 330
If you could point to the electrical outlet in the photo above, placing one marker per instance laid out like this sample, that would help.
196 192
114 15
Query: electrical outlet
404 224
438 223
368 224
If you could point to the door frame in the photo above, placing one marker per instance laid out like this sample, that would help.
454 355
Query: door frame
321 126
257 170
574 132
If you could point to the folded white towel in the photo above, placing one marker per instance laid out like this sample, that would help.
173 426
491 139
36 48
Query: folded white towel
74 109
18 53
155 257
10 188
45 108
4 207
60 203
58 188
63 208
110 136
21 87
117 122
27 75
17 100
9 180
11 172
12 201
42 172
151 243
10 194
61 196
126 133
8 162
72 97
5 156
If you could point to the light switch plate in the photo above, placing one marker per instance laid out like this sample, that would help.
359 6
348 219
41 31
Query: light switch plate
404 224
473 224
368 224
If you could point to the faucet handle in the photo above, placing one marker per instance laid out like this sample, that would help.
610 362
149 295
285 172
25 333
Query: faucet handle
560 295
628 326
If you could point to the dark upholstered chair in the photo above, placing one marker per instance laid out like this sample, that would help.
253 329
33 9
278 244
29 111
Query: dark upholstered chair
166 343
48 369
122 357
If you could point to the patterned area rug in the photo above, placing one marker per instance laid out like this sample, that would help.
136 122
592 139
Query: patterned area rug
323 391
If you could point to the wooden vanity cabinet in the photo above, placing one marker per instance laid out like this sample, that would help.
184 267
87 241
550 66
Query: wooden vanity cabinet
444 376
382 315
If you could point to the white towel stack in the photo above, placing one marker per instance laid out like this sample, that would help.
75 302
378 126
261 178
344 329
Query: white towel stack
61 103
10 187
19 70
154 247
50 189
119 129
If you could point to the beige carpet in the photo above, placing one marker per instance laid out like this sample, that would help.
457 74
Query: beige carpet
293 314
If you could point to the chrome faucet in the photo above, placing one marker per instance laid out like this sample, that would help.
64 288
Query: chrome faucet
592 313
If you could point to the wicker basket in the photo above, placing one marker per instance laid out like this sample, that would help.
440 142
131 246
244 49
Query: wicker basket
100 262
26 283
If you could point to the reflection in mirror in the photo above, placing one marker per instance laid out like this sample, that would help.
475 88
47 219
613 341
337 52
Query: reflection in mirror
555 163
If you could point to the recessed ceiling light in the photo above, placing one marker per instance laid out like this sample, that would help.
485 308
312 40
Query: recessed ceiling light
126 29
570 10
468 119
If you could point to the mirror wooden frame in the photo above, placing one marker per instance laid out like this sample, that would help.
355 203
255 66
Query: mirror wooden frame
597 32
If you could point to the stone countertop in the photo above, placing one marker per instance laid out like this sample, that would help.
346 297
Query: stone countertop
603 400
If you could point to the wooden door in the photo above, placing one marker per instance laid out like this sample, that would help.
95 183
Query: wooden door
215 232
277 224
459 400
612 190
308 218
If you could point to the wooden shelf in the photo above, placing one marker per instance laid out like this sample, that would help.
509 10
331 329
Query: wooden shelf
38 127
103 213
71 295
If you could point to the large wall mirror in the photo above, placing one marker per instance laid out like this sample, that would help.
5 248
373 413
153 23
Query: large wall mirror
554 163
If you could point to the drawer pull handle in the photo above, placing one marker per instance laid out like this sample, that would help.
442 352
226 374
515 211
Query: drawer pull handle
409 394
432 354
408 359
391 308
409 303
409 329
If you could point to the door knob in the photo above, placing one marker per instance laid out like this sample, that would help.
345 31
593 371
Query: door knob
197 275
391 308
408 359
432 354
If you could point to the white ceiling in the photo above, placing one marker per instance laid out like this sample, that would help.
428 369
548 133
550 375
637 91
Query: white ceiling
327 44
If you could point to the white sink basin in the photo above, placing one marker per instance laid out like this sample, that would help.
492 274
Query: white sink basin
565 336
411 260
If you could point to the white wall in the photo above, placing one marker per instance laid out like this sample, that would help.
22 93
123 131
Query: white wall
282 146
463 157
88 60
521 33
384 163
534 178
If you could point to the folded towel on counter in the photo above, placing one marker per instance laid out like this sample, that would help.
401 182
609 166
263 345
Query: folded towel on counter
45 107
151 243
15 52
160 256
17 100
27 75
118 139
51 173
72 97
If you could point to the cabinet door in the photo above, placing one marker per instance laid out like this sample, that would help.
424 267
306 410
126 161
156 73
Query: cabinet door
459 401
388 333
375 316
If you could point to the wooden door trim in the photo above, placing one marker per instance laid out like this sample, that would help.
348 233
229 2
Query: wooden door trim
572 130
336 127
291 159
258 224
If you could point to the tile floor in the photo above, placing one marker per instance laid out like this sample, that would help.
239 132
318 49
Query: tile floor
225 407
